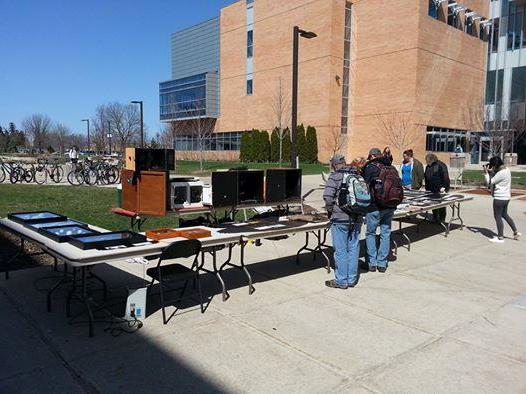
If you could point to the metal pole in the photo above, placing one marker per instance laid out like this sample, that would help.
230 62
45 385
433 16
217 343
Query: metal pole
89 142
109 135
142 127
294 125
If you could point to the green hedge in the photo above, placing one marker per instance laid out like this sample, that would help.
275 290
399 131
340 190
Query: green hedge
258 147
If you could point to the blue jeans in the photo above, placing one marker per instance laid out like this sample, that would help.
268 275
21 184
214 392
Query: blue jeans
346 244
378 255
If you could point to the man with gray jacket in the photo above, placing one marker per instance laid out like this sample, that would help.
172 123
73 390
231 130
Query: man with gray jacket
345 230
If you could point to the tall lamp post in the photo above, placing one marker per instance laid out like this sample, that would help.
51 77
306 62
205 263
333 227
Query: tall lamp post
109 135
142 122
87 121
297 33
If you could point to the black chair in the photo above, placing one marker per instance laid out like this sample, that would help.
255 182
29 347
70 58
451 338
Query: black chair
177 273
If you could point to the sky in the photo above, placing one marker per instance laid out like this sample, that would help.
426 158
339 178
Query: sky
63 58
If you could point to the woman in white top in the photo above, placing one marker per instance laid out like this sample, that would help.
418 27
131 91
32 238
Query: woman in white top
74 155
499 181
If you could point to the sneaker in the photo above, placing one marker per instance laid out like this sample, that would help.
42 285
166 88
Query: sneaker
516 236
332 283
496 240
382 269
372 268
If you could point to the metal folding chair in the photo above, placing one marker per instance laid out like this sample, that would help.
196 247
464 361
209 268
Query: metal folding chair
177 273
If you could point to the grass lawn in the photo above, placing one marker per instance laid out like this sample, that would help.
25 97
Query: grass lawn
192 167
477 177
85 203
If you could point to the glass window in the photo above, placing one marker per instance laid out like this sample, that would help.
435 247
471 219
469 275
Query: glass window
250 86
490 87
495 35
250 43
518 84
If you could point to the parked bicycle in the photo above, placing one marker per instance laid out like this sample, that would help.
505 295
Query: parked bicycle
45 170
21 173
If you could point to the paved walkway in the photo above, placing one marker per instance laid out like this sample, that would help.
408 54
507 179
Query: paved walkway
447 317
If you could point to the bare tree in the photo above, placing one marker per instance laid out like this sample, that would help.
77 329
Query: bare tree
61 134
125 122
281 107
334 140
38 127
398 129
168 134
100 128
497 136
203 129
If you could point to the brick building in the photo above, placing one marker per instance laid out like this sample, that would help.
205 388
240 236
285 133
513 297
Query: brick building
379 73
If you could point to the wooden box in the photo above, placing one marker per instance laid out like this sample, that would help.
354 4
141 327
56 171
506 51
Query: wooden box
195 233
163 233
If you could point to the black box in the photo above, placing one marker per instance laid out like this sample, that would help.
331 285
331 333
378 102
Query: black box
35 217
105 240
237 187
63 233
154 159
283 185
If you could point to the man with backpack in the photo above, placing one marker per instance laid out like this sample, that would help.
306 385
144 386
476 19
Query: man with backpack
346 198
387 191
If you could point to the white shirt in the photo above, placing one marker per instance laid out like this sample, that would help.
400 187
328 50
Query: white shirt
73 154
500 184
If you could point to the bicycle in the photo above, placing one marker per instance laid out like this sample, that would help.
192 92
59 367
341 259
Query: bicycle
43 170
19 173
5 169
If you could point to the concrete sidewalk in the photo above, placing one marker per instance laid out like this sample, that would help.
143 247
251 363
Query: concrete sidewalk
447 317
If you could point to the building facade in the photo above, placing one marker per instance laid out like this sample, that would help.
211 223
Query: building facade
506 77
379 73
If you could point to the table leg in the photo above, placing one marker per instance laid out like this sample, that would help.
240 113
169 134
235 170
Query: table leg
251 288
62 281
304 247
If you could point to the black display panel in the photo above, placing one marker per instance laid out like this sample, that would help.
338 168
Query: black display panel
154 159
282 185
105 240
250 187
35 217
224 188
62 233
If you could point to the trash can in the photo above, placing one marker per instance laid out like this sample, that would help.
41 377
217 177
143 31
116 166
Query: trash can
118 196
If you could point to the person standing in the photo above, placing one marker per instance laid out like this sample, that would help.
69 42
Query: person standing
437 181
73 155
499 181
412 172
345 229
379 215
388 155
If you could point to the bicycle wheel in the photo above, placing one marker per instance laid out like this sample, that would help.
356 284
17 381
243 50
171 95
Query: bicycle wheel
57 173
15 175
75 178
28 175
90 177
112 175
2 174
40 175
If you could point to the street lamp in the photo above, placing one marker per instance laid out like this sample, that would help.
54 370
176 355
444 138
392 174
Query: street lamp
297 33
142 123
87 120
109 135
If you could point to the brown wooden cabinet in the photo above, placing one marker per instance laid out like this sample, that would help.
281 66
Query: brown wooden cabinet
145 192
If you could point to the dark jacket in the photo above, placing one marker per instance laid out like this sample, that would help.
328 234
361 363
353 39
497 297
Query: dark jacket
330 194
437 177
371 172
417 175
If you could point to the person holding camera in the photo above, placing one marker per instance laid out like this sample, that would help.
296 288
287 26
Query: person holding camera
498 179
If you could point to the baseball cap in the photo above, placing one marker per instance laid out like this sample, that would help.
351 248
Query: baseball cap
337 159
375 152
